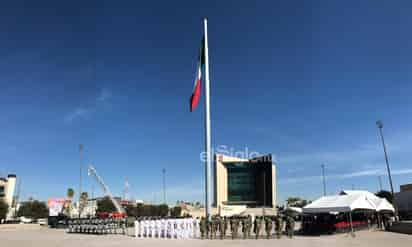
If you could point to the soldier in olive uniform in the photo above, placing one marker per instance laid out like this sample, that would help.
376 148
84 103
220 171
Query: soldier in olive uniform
232 226
278 226
224 228
249 226
290 226
268 227
208 228
203 227
220 226
244 227
237 225
258 224
214 227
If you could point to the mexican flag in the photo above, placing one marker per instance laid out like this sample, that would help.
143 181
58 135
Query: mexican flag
194 98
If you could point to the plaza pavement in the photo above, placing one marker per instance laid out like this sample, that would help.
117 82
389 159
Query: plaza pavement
36 236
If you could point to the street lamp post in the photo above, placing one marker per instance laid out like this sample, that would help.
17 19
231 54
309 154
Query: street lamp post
380 127
164 185
379 124
323 178
380 183
80 177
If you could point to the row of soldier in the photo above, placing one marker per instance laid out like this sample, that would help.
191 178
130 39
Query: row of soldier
176 228
268 224
97 226
184 228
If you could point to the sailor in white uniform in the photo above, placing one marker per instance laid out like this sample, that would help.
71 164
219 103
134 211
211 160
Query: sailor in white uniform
174 228
145 228
163 228
158 227
137 229
191 227
197 227
152 228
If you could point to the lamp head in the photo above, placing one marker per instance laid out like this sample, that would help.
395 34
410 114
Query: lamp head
379 124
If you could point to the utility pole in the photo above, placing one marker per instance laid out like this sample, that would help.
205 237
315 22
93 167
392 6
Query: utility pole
80 175
164 185
17 198
126 189
324 180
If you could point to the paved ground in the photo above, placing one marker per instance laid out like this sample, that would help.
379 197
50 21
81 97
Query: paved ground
36 236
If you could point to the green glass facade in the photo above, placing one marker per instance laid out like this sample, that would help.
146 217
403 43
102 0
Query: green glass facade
250 183
241 183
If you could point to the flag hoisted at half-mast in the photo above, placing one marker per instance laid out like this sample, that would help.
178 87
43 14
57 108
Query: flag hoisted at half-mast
203 61
194 99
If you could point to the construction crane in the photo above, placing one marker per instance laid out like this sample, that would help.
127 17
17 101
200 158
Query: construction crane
92 171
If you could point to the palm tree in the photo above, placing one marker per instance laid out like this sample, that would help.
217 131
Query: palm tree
70 193
68 204
83 201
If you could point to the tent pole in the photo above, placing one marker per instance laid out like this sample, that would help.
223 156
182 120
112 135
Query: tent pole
351 225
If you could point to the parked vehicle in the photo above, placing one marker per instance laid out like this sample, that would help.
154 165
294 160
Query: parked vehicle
24 220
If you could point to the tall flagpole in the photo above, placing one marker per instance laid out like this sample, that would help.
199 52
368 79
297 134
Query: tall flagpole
208 164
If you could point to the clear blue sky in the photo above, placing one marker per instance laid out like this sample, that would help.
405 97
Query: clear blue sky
303 80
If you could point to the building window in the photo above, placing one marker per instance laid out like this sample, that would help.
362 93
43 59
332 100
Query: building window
2 193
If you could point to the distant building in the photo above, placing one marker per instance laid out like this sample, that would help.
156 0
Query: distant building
403 201
244 182
7 187
405 187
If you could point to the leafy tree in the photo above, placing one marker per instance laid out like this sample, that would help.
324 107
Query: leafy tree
139 209
4 208
175 211
292 200
105 205
385 194
33 209
131 211
296 202
163 210
147 210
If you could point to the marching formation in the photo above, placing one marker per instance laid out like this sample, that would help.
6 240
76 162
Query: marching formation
217 227
97 226
173 228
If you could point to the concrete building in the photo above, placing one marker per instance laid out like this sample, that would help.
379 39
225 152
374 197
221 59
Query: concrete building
244 182
405 187
7 187
403 201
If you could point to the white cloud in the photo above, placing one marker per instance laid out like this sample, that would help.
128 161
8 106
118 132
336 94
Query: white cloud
364 173
188 192
77 113
81 112
105 94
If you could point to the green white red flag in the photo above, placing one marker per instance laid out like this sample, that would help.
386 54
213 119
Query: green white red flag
194 98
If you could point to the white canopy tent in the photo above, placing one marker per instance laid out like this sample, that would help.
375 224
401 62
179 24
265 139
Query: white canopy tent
381 204
347 202
343 203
